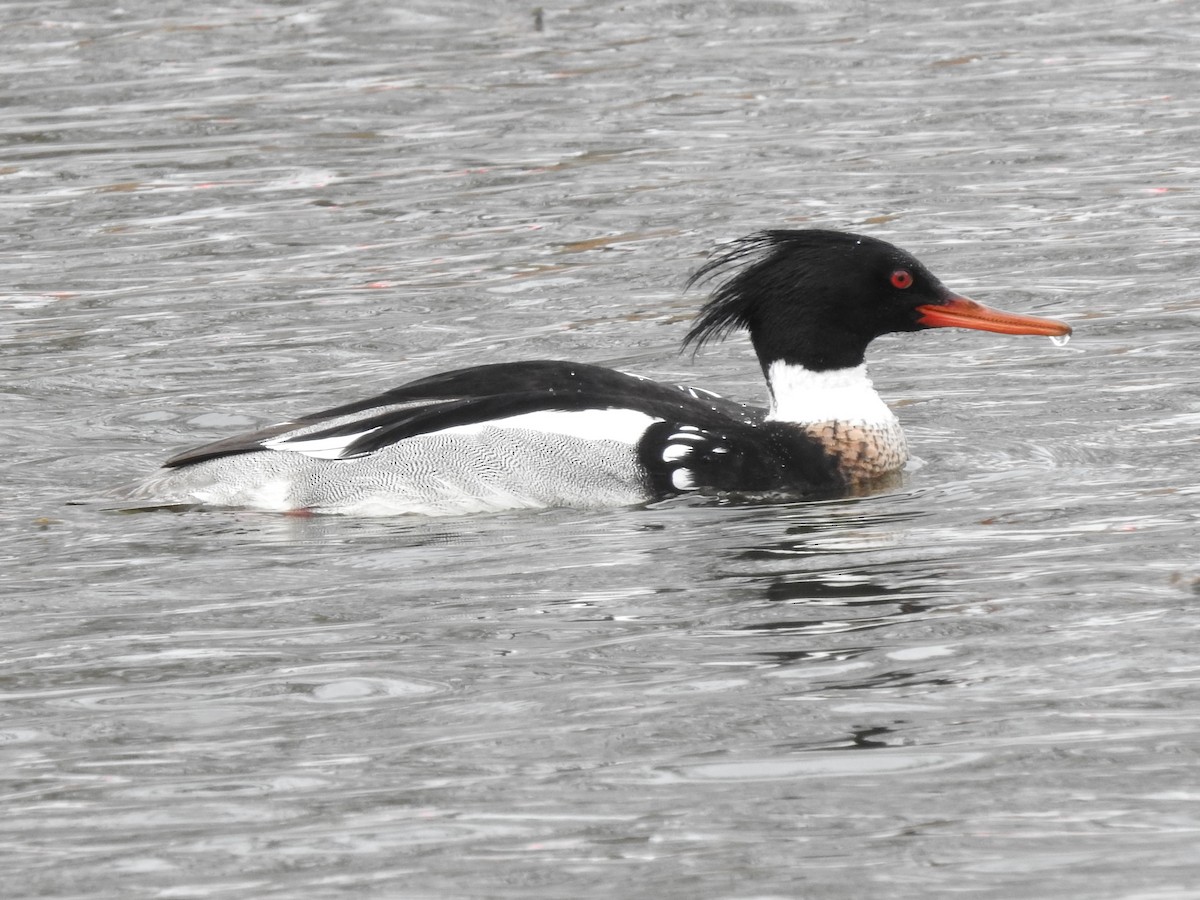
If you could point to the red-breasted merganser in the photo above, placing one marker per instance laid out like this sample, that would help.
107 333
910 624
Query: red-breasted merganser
546 433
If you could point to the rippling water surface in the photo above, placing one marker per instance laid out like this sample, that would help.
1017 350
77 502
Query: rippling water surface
984 681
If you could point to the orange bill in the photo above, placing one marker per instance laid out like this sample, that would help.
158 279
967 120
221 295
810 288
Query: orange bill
960 312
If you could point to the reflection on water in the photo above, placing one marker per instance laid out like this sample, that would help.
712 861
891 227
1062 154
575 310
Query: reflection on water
227 215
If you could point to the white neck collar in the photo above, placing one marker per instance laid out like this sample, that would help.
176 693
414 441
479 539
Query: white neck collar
804 397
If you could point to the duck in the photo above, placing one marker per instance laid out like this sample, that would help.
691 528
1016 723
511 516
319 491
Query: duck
550 433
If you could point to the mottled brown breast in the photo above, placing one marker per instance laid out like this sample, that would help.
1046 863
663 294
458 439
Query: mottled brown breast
864 450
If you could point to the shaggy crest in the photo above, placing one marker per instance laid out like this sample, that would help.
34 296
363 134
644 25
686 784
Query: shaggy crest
773 259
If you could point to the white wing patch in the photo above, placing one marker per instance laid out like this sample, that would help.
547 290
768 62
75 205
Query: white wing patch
675 451
681 447
683 480
317 448
625 426
698 393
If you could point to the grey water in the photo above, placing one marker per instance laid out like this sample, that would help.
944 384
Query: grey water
983 681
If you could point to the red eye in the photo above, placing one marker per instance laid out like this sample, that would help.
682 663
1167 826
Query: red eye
902 278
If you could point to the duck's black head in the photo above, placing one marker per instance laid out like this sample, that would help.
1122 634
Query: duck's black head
818 298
